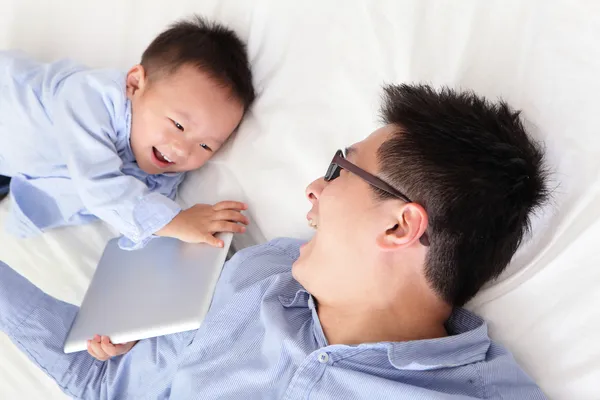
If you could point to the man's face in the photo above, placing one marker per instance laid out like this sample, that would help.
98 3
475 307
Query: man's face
336 264
179 120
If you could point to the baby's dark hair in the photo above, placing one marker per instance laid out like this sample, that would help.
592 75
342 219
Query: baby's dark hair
209 46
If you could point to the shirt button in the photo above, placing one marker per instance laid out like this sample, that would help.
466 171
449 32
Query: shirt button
323 358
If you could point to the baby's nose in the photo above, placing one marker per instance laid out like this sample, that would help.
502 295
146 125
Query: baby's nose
181 149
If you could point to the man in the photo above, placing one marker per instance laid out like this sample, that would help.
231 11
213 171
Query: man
410 223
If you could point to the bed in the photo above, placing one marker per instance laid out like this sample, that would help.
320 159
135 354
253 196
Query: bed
319 66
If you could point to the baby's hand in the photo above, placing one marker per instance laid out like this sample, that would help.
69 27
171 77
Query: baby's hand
199 223
102 349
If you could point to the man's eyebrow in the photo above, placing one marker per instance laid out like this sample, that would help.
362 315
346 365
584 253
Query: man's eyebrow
348 151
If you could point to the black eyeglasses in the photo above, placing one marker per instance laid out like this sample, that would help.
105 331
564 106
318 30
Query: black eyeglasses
340 162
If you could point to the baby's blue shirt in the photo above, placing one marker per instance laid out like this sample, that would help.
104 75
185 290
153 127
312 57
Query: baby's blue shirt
64 140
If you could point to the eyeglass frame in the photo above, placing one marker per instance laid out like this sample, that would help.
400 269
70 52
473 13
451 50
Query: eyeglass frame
340 162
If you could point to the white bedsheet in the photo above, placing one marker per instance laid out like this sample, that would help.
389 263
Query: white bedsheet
318 67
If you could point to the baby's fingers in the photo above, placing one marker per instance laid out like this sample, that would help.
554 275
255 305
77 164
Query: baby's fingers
212 240
231 215
226 226
230 205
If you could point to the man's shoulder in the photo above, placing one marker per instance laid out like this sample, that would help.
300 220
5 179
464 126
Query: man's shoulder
286 248
503 378
469 348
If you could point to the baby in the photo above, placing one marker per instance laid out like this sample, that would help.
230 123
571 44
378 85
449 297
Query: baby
80 144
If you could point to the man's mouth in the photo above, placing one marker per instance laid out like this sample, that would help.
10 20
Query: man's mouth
163 159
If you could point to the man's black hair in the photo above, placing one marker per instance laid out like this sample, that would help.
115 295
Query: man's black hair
209 46
473 167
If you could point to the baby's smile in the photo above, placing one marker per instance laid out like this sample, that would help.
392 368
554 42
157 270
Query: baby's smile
159 159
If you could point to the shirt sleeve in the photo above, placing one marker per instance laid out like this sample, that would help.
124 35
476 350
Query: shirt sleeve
85 119
38 325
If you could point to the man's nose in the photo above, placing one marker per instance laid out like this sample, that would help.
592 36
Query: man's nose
314 190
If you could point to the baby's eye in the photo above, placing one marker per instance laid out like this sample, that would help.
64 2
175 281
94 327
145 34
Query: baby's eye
178 125
205 146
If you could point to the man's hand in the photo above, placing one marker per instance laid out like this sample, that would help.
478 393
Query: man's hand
199 223
102 349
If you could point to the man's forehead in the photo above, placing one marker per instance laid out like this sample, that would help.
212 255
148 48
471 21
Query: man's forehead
367 148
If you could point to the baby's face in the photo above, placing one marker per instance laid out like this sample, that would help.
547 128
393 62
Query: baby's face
179 120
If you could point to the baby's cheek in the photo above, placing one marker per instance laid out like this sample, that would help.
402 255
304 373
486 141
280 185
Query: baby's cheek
198 159
159 136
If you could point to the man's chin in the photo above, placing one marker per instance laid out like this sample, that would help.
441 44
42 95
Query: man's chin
297 267
301 262
305 250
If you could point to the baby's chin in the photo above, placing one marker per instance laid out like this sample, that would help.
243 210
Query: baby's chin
154 170
150 168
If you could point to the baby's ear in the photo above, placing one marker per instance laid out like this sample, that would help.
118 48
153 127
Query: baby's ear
136 79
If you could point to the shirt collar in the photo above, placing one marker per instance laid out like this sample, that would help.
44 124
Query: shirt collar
303 299
468 340
299 300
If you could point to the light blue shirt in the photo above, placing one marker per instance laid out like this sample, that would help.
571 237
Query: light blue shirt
64 140
262 339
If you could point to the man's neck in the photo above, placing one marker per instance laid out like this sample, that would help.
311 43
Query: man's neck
411 318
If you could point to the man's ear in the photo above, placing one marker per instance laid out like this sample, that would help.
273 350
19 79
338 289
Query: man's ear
136 80
405 228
